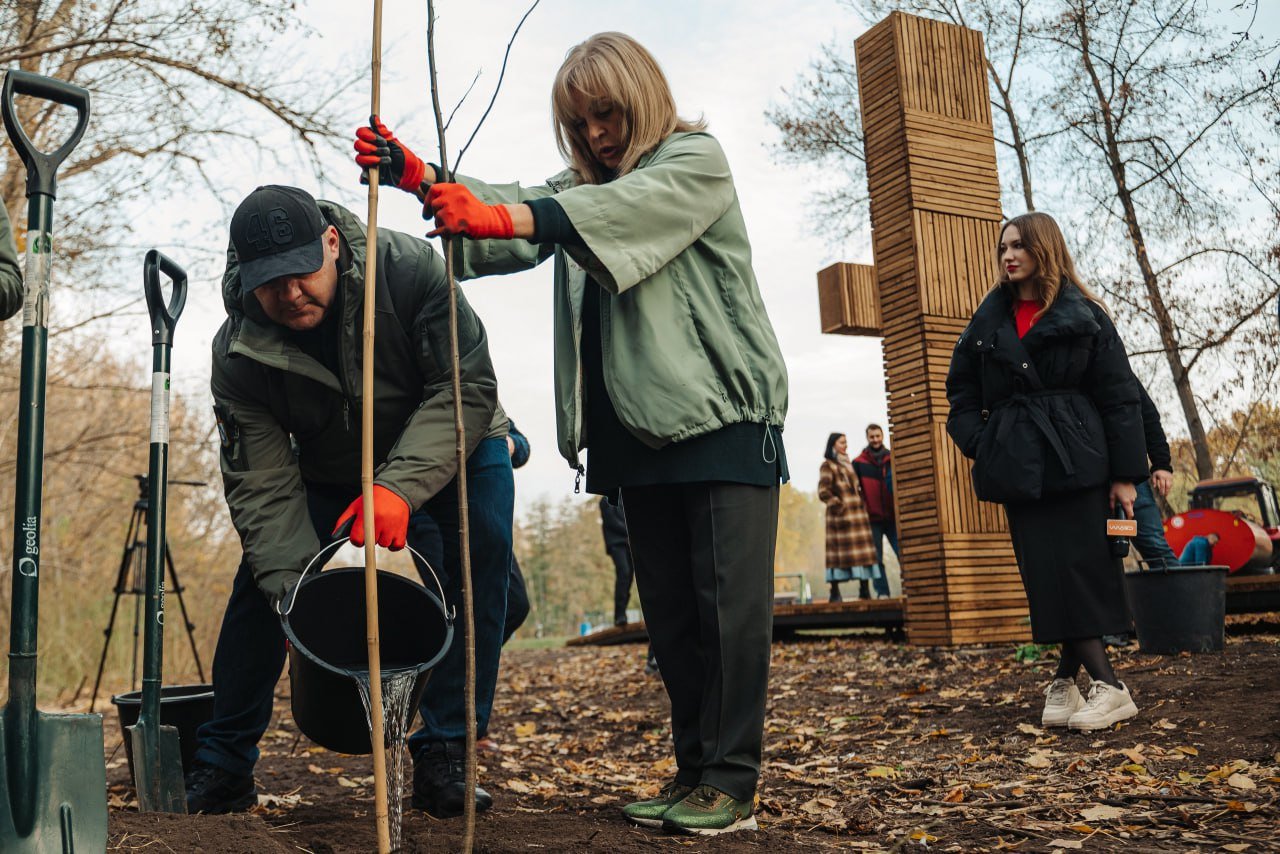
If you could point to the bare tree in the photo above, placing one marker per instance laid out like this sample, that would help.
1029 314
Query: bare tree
820 123
1151 132
1160 106
176 86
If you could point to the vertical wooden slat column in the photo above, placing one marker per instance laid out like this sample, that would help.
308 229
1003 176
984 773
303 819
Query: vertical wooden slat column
935 212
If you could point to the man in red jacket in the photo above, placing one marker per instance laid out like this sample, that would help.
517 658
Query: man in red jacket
876 478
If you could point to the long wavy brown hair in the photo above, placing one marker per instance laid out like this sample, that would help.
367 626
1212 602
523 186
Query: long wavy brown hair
1043 240
614 69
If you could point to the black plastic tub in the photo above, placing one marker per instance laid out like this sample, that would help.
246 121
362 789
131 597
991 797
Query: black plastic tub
1179 609
325 628
183 706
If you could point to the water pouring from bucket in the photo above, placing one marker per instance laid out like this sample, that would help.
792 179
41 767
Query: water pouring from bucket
324 621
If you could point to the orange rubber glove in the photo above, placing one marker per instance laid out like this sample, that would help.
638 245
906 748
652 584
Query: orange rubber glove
457 211
390 519
397 166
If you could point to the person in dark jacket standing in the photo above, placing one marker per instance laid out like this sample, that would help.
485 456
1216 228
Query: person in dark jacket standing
286 385
1151 542
874 469
667 373
613 524
1044 402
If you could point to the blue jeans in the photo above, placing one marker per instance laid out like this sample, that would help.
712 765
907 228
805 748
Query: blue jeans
1150 541
251 650
881 531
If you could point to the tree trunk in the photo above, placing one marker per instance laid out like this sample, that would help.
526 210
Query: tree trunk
1151 281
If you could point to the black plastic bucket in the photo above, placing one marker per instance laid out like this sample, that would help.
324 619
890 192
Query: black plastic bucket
1178 609
325 628
183 706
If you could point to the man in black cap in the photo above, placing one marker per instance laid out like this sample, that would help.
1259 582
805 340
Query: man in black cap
287 393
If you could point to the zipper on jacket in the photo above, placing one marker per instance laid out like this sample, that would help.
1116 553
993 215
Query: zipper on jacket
346 413
577 479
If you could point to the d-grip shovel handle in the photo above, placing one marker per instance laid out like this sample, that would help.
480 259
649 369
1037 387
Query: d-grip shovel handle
340 538
163 317
42 168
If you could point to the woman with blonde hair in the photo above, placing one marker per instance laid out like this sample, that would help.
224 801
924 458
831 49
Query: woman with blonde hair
1044 402
668 374
851 550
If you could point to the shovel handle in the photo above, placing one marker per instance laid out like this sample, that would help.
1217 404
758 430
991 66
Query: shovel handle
164 317
42 168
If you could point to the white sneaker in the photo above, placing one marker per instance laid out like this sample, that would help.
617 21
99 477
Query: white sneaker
1105 706
1061 700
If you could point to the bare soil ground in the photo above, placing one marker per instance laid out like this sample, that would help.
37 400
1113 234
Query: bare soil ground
871 745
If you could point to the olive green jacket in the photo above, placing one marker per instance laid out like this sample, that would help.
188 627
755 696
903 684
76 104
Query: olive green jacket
11 294
687 345
266 391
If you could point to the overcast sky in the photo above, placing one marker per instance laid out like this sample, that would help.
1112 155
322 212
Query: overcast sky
725 59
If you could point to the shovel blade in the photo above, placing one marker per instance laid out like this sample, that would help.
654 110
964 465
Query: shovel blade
157 769
66 808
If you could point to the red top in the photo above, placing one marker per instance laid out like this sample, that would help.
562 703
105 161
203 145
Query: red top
1024 315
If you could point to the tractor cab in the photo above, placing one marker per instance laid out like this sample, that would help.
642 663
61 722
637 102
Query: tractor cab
1247 497
1243 512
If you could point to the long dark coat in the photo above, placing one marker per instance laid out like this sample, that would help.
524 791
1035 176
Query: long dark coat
1050 420
849 542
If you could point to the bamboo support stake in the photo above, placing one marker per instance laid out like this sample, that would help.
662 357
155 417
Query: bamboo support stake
464 516
377 728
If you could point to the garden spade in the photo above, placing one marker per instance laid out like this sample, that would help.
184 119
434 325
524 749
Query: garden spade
157 760
53 783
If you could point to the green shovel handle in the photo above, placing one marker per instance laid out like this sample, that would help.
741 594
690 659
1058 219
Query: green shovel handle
163 316
42 168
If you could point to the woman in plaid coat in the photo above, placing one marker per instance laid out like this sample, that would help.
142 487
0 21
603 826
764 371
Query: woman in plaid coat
851 552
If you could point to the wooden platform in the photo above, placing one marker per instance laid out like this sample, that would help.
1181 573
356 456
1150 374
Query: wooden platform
854 614
1253 594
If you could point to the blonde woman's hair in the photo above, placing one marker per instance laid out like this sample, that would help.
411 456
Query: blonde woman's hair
613 69
1043 240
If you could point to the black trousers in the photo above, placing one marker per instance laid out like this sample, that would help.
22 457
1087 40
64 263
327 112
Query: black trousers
704 567
623 571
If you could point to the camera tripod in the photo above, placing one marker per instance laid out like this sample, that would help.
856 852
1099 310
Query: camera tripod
131 579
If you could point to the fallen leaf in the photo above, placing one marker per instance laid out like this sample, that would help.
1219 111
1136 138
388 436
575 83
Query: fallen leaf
524 730
1029 729
1240 781
1236 846
1065 843
348 783
518 786
955 796
1190 751
1038 759
923 837
1101 812
883 771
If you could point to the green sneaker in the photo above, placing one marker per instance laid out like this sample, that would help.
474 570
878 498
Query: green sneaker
649 813
708 811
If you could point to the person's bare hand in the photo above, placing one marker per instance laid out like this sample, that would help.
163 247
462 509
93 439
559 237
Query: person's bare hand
1163 481
1123 493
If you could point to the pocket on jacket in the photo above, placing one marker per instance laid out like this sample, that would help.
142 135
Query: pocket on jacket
1009 466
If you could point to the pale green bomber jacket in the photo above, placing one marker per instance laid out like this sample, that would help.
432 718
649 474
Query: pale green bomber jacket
687 345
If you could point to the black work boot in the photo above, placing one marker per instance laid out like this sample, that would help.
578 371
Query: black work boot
864 589
214 791
835 593
440 780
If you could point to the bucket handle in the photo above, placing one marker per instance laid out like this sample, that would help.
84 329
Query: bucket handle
322 557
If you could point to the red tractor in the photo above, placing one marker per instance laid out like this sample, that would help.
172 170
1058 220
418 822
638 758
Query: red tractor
1244 514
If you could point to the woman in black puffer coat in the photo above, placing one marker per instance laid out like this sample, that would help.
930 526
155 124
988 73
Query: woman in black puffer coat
1044 402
